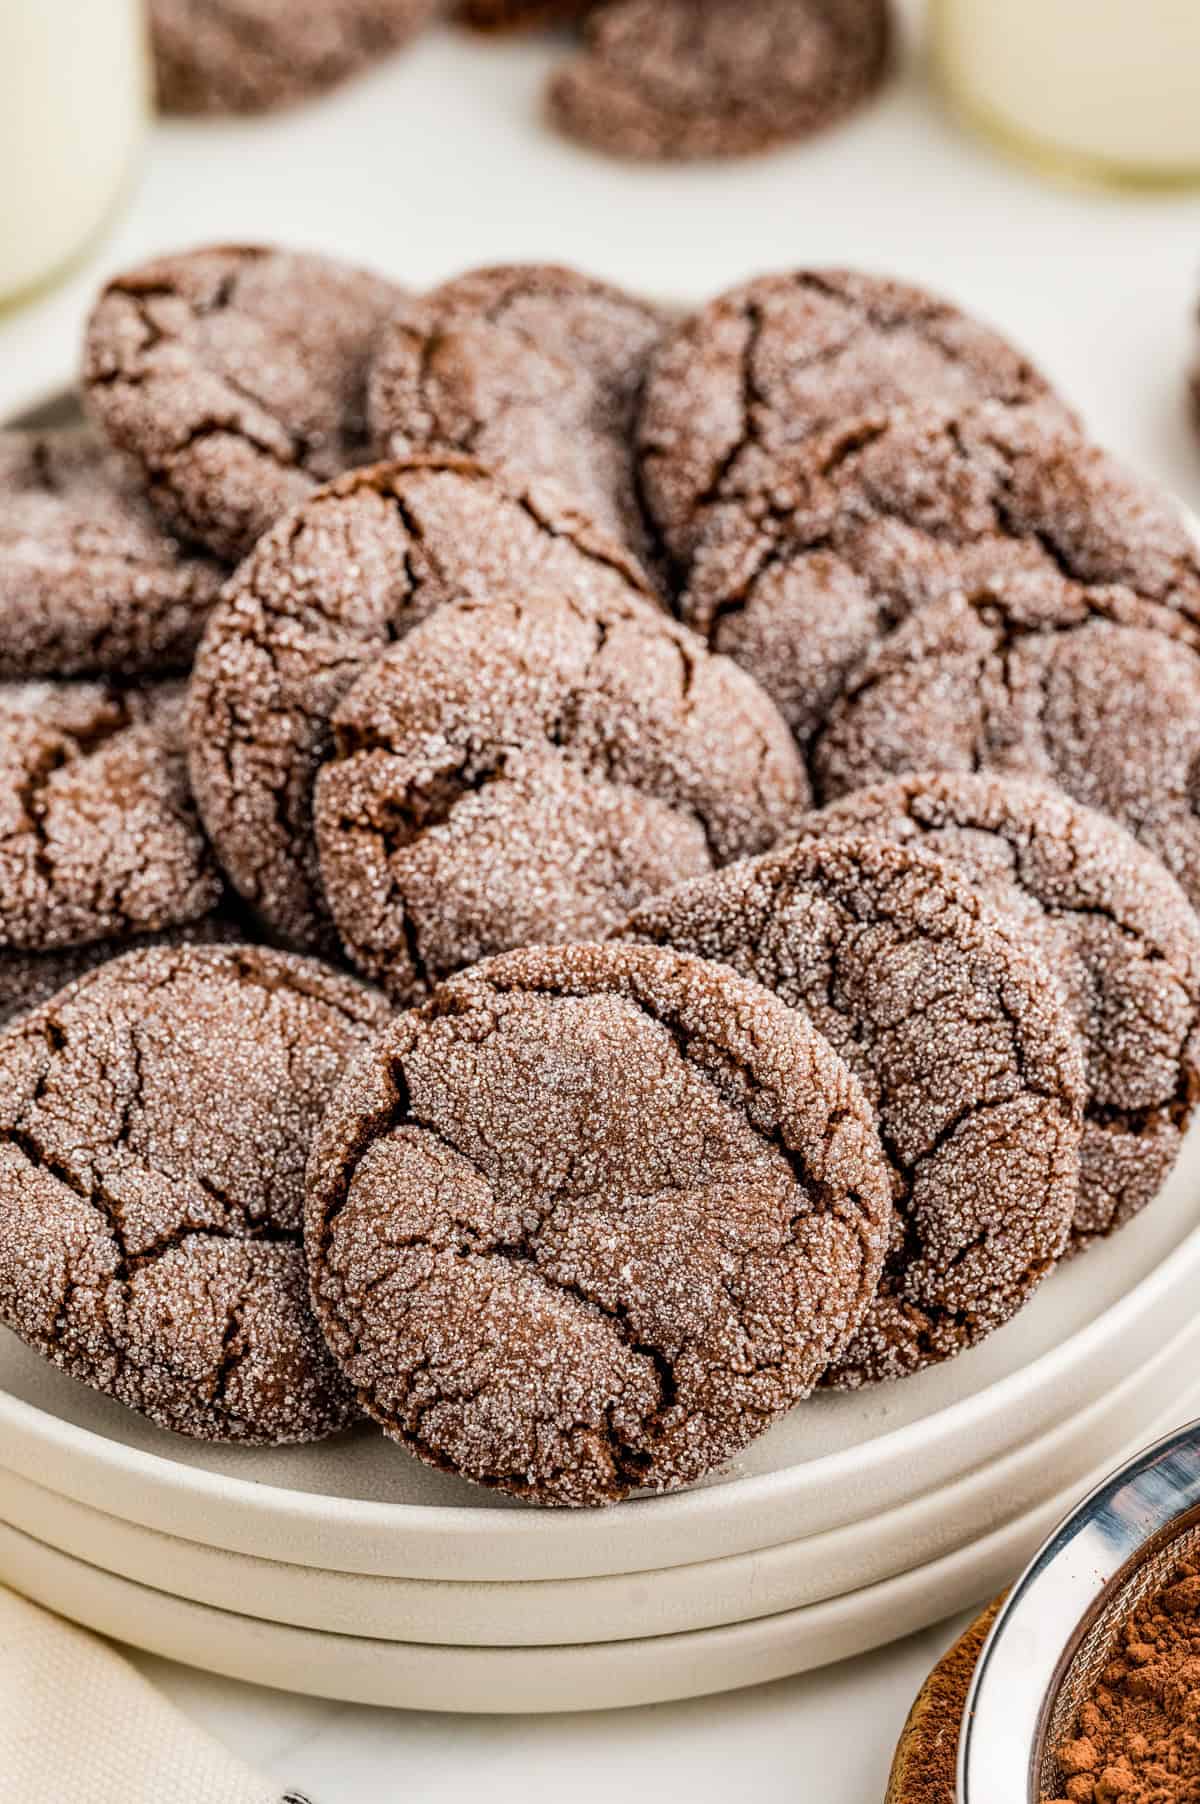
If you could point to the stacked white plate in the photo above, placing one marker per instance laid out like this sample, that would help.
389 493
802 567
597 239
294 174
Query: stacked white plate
352 1571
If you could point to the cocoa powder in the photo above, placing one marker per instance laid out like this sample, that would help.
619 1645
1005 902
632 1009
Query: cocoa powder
1136 1739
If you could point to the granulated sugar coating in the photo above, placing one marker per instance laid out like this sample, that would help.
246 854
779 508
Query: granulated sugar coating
591 1219
248 56
98 834
1091 689
536 371
1113 927
236 378
320 599
872 521
155 1119
702 78
91 583
523 770
745 381
30 978
964 1046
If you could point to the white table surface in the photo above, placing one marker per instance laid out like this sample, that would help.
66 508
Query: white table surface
437 161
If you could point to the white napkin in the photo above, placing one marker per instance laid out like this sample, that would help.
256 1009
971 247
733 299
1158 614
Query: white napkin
78 1723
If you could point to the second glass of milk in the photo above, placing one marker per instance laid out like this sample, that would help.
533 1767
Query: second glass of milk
1104 89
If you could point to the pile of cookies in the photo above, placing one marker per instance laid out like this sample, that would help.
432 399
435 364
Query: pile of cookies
655 78
610 867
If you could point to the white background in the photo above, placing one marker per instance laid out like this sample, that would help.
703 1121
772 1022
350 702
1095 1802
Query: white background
437 161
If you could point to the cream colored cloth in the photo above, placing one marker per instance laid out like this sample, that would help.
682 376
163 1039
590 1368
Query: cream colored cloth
79 1726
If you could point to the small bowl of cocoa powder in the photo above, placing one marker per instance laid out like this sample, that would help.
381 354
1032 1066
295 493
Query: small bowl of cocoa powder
1088 1687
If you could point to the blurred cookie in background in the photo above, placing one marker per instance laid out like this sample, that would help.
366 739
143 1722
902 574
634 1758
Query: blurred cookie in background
253 56
665 79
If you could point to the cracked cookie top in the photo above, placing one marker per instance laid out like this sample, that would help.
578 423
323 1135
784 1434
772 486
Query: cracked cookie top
250 56
1092 689
1114 929
91 583
98 833
320 599
236 379
533 369
30 978
964 1045
742 384
155 1119
590 1219
700 78
873 520
527 769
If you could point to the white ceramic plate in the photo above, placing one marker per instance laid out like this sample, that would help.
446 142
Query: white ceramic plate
359 1504
676 1600
598 1676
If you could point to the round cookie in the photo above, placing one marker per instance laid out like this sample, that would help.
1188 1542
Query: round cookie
871 522
964 1045
1113 927
155 1119
91 583
251 56
525 769
591 1219
1093 690
674 79
30 978
98 833
236 379
533 369
743 383
320 599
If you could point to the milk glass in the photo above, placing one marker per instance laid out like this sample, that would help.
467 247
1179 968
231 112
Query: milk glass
1103 89
73 107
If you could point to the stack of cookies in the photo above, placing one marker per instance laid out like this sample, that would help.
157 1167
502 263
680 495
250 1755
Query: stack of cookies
570 874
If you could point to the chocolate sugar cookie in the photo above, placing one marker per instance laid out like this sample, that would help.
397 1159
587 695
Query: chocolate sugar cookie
703 78
236 378
91 583
1091 689
536 371
964 1045
250 56
591 1219
872 521
527 769
155 1119
1113 927
320 599
30 978
98 833
743 383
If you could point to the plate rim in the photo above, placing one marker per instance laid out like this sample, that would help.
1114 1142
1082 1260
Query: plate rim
709 1506
761 1573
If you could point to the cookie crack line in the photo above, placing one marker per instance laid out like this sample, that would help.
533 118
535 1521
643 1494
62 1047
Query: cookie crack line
448 1003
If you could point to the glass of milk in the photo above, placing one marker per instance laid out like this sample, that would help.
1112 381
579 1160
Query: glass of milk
73 107
1102 89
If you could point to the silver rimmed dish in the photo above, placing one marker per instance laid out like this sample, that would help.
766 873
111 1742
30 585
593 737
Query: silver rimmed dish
1057 1629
